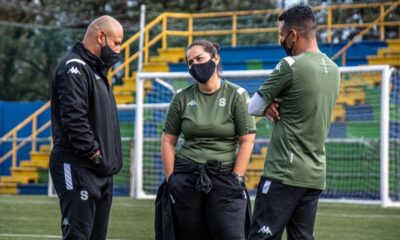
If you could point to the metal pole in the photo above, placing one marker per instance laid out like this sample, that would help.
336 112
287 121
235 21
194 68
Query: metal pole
139 113
141 37
384 153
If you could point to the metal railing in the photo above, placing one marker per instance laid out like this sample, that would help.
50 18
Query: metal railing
378 21
162 22
13 135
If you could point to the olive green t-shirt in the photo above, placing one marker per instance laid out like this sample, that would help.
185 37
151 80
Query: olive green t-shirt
308 85
210 124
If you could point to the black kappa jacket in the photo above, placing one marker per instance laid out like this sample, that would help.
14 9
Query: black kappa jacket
84 113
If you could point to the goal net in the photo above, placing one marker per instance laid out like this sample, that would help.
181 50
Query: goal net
362 148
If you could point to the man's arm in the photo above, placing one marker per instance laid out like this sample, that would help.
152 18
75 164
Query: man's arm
74 102
257 105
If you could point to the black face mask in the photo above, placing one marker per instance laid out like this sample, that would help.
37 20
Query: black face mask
289 51
202 72
108 56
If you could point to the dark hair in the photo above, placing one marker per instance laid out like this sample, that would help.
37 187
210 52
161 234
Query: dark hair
209 47
301 18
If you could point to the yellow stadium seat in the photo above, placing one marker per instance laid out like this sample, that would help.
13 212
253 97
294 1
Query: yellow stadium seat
338 114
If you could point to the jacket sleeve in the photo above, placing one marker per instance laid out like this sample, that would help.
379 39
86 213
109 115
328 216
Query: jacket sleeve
74 103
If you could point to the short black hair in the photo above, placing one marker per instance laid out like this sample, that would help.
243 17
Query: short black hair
301 18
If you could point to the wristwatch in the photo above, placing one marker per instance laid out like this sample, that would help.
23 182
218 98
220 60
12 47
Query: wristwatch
239 178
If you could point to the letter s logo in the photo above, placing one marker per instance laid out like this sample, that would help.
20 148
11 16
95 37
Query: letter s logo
84 195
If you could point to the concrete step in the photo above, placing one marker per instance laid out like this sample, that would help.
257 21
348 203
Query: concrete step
19 179
168 59
393 43
39 156
124 99
360 81
31 172
131 82
131 77
45 148
34 164
172 52
380 60
125 93
123 90
389 52
338 113
8 188
351 98
155 67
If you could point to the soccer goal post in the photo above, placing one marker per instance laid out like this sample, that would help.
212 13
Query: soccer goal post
363 154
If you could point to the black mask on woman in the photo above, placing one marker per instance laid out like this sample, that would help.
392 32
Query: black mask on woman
202 72
108 56
289 51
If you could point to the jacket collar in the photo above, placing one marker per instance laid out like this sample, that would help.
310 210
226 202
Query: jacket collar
90 58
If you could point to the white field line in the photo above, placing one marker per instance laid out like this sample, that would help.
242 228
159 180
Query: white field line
346 215
44 202
37 236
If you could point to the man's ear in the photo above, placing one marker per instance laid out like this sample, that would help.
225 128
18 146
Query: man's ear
295 35
100 38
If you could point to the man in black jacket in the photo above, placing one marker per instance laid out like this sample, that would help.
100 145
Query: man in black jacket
86 139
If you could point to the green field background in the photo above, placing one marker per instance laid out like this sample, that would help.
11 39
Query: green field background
39 217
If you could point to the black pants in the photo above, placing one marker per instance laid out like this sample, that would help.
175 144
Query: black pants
278 206
85 201
219 215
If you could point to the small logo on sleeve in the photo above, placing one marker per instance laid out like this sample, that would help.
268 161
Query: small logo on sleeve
74 70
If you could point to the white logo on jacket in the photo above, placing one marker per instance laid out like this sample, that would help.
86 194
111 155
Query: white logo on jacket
74 70
84 195
65 222
265 230
192 103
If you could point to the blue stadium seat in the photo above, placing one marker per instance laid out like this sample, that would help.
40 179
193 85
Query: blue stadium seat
126 116
360 112
150 129
159 115
158 94
337 130
237 58
394 130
